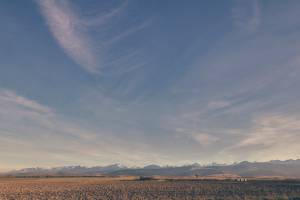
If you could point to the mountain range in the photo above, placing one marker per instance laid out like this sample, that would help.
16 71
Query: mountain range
287 168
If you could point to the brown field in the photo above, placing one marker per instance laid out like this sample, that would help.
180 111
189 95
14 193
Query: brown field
128 188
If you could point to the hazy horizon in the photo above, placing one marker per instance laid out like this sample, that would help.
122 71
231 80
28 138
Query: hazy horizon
138 82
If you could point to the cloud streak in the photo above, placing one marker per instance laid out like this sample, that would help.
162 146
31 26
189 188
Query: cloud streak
68 31
73 33
33 134
273 130
247 15
9 97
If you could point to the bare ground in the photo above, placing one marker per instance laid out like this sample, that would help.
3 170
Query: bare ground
127 188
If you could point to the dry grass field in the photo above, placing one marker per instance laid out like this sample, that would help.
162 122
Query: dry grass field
127 188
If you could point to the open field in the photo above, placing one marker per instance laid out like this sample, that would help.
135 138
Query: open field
128 188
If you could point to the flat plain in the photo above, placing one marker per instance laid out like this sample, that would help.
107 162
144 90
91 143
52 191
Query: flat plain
129 188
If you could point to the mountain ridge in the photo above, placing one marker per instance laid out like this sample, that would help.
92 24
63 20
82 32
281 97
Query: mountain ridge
286 168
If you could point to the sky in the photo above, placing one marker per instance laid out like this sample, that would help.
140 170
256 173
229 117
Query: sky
137 82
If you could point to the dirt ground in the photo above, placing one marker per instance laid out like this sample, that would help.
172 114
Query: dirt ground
127 188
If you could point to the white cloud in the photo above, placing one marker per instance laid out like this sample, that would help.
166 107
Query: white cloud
102 19
67 29
72 31
273 136
272 131
218 104
204 139
10 97
127 33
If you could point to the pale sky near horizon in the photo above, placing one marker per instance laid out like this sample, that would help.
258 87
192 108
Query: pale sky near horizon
136 82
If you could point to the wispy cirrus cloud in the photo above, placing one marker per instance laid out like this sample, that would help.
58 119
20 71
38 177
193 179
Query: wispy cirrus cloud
67 29
204 139
9 97
127 33
217 91
273 130
34 134
272 136
247 15
218 104
103 18
72 31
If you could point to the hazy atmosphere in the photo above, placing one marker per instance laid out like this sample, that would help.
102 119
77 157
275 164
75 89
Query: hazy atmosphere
137 82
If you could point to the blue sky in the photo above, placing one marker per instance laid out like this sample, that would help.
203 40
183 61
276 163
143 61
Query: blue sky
138 82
